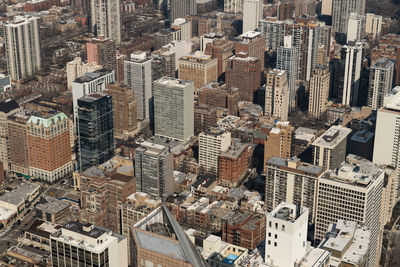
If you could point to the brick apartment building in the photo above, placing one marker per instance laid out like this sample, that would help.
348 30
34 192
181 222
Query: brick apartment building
221 96
221 49
205 116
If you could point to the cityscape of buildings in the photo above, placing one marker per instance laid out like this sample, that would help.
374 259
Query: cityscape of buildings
195 133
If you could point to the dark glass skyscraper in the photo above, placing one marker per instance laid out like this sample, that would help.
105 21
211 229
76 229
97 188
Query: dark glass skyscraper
95 130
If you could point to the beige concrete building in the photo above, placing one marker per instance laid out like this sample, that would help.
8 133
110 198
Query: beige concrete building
277 95
319 91
199 68
76 68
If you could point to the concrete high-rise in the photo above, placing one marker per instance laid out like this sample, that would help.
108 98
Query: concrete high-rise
212 143
280 142
352 55
329 150
373 24
154 170
138 76
277 95
319 91
95 129
252 13
354 192
355 28
49 146
22 47
233 6
341 11
244 72
106 19
174 108
287 60
102 51
76 68
101 244
182 8
380 82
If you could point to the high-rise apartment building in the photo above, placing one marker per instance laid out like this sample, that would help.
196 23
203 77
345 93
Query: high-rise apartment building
181 30
106 19
95 129
277 95
233 6
90 83
319 91
49 146
221 49
76 68
216 95
355 28
287 60
253 44
252 13
352 55
205 116
291 181
173 108
286 237
341 12
373 24
285 10
78 244
7 109
212 143
354 192
244 72
22 47
138 76
329 150
380 82
162 64
305 7
18 141
199 68
154 170
182 8
124 109
102 51
279 142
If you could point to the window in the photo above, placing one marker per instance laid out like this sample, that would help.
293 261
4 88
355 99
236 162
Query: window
275 244
276 236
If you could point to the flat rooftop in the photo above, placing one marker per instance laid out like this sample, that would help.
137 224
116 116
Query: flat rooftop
87 229
173 82
43 229
235 150
383 63
301 166
91 76
332 137
286 212
250 34
19 194
51 205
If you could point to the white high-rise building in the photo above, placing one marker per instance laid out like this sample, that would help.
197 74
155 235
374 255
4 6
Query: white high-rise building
137 74
355 28
277 95
174 108
319 91
252 13
22 47
233 6
106 18
287 60
352 192
286 237
211 143
326 8
181 30
78 244
380 82
341 11
182 8
76 68
353 53
373 24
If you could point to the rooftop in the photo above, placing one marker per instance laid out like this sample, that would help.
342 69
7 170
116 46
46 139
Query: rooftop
51 205
286 212
91 76
235 150
19 194
296 164
172 82
92 97
215 131
362 136
46 118
8 105
250 34
332 137
383 63
6 213
42 228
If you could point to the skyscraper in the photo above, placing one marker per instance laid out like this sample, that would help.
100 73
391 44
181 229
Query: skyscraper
154 170
253 44
49 146
355 28
319 91
102 51
373 24
287 60
22 47
182 8
138 76
380 82
354 192
95 130
277 95
106 19
174 108
252 13
352 55
341 10
212 143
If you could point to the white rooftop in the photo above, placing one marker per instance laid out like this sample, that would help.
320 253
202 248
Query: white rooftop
250 34
332 137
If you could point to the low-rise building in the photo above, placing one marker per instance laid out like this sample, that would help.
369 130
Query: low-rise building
53 210
21 198
38 234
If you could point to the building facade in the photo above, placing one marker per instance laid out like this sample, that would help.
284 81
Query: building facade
277 95
106 19
319 91
380 82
